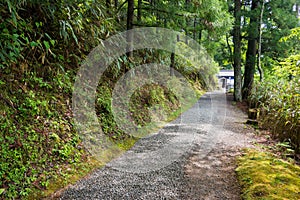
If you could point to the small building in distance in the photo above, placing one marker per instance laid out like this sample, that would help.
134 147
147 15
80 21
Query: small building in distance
226 79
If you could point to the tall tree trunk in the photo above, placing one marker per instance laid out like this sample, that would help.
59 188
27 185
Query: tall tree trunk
187 21
251 50
261 73
195 24
130 15
200 36
172 57
172 65
237 52
186 37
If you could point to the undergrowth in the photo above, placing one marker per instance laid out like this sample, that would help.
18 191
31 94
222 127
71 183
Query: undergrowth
36 132
278 102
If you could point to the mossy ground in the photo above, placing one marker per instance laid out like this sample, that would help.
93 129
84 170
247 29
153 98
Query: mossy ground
264 176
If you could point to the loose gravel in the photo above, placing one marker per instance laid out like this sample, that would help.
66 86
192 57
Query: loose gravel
189 158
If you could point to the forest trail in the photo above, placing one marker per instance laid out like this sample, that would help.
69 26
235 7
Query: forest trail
192 157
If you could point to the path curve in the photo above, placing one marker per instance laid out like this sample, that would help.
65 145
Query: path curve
202 144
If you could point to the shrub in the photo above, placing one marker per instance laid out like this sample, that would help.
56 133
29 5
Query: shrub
278 99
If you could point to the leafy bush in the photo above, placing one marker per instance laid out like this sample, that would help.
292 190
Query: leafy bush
34 31
36 134
278 99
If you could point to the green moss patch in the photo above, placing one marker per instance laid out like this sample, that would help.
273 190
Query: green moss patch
263 176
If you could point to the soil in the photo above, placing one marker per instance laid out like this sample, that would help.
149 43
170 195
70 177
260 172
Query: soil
213 177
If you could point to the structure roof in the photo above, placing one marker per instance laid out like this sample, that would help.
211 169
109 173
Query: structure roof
224 72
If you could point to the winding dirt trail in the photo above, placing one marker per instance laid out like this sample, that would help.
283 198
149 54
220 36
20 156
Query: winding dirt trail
192 157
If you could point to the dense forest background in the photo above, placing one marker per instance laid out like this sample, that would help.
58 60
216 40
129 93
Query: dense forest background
43 44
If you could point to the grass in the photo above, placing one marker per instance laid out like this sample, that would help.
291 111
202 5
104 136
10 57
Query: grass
264 176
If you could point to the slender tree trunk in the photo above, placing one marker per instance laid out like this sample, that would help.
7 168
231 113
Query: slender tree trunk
139 11
195 24
187 21
186 32
116 6
172 57
130 15
229 48
261 73
200 36
172 65
237 52
251 51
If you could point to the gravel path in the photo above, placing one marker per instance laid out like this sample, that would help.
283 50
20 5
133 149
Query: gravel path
190 158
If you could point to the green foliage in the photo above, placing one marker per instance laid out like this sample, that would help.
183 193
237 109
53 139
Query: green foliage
286 149
278 96
292 40
195 17
40 38
36 135
279 101
279 20
288 68
104 112
152 103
